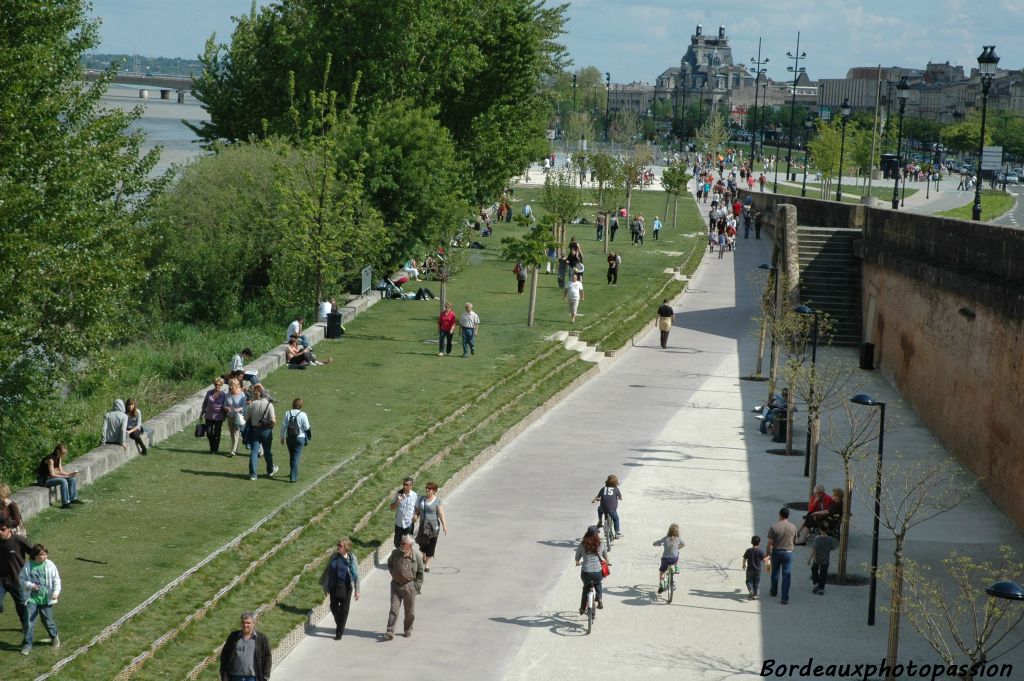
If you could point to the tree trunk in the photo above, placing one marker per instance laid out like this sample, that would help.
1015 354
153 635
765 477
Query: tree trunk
533 295
675 211
844 529
668 198
444 296
790 405
814 430
895 609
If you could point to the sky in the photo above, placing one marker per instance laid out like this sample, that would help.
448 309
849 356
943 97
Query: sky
635 40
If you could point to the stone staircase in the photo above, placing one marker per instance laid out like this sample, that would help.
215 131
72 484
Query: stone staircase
830 278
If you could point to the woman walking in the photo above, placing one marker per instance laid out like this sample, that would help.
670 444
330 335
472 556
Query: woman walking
213 413
445 329
340 582
260 415
430 512
589 555
234 413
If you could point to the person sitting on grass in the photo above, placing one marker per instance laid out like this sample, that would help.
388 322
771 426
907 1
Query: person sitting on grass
299 356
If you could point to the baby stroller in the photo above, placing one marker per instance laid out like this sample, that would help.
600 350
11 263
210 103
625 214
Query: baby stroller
389 290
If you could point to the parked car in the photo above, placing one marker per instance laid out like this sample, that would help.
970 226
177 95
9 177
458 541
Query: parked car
1012 178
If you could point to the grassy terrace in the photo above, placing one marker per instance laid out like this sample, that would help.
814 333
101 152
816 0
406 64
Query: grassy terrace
376 410
994 202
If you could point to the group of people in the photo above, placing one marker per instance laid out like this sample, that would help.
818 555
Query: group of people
820 530
31 579
468 322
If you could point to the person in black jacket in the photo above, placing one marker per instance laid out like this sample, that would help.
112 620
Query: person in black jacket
13 552
246 654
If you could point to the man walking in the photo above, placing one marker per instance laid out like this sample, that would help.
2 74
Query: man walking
404 506
246 654
781 540
406 568
666 315
13 552
469 322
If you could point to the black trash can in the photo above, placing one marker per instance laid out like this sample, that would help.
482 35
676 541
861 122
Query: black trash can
867 356
780 425
333 325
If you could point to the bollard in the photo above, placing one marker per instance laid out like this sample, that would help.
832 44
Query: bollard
165 93
143 93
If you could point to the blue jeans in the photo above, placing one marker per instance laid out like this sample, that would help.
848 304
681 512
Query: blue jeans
68 488
16 596
235 677
468 344
614 516
44 611
782 562
295 455
261 437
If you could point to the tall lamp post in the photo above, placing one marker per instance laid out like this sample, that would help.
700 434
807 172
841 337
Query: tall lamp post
700 113
808 125
758 63
803 309
574 93
763 78
845 110
607 103
987 65
902 91
796 70
867 401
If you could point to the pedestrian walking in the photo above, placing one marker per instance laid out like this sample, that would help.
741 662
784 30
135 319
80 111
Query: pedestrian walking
406 567
234 413
666 315
753 563
213 413
13 552
340 582
573 293
40 588
656 228
261 419
295 434
819 559
563 269
432 522
469 322
9 511
614 260
781 539
445 328
246 653
520 273
404 506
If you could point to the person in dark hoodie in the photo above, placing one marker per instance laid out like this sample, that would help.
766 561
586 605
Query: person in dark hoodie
115 426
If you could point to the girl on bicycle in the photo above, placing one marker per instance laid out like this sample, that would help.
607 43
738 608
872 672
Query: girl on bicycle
670 543
590 553
609 496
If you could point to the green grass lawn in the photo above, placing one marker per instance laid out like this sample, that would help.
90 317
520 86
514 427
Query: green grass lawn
850 194
157 516
994 202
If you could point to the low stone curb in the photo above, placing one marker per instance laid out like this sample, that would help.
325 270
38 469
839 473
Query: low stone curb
176 418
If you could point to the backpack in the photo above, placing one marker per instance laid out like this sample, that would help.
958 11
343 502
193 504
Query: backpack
293 426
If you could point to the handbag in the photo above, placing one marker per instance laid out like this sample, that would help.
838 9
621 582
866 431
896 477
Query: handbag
605 570
200 429
247 435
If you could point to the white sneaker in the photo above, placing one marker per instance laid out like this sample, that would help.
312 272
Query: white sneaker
56 642
252 477
274 470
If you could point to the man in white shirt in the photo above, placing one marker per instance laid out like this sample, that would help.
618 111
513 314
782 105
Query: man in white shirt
404 506
295 329
470 323
574 294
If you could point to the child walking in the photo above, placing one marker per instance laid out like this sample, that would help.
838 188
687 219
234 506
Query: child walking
40 587
753 563
670 545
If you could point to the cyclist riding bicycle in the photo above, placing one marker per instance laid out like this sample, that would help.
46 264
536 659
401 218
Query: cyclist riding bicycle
609 496
589 554
670 543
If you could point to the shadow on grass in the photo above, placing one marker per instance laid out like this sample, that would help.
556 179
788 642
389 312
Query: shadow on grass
218 474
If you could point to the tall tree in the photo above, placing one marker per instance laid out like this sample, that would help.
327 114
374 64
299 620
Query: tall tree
74 189
562 202
530 251
674 181
713 135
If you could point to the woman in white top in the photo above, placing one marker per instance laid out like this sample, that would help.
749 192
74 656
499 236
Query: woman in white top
296 434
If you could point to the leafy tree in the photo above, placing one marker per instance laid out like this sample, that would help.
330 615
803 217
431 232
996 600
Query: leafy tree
530 250
963 136
624 127
608 195
713 135
922 130
1008 132
74 191
634 165
562 202
579 125
859 147
824 148
674 180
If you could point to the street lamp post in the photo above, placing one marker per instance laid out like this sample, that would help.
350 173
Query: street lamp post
845 110
758 63
809 125
902 91
763 78
803 309
700 113
796 69
685 75
988 62
867 401
607 103
574 93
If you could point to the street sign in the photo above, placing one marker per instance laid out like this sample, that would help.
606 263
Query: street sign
991 158
825 113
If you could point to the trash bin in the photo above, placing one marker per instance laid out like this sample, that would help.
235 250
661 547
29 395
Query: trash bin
867 356
333 325
780 425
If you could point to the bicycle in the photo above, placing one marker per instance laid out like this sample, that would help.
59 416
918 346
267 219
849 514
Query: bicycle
609 530
591 608
668 582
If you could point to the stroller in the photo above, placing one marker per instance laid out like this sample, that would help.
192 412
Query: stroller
390 290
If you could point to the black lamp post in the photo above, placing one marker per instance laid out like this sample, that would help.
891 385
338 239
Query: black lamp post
775 313
867 401
685 75
988 62
607 103
574 93
845 110
902 91
796 70
803 309
763 78
808 125
758 63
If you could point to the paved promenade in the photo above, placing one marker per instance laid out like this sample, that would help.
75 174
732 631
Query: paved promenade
675 426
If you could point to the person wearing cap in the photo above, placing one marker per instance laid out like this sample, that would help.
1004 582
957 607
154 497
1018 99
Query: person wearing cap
406 568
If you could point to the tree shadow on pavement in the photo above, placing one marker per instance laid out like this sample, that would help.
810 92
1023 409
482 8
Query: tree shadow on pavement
638 594
685 494
560 543
564 623
701 661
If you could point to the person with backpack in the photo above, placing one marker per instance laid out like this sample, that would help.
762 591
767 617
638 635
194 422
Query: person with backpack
296 434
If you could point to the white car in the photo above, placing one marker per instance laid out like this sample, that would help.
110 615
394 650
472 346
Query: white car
1012 178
